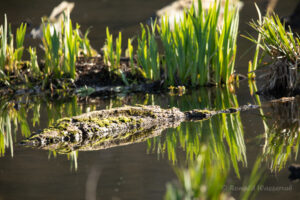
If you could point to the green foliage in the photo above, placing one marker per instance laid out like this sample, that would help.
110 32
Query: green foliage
52 55
85 46
3 31
129 54
20 36
10 56
276 41
61 49
112 58
197 51
204 179
253 66
34 62
147 53
223 134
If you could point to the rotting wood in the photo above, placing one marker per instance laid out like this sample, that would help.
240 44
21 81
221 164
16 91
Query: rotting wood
115 127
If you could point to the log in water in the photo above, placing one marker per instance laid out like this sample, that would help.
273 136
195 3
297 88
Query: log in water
115 127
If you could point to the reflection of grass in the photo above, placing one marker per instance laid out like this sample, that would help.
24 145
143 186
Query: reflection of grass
204 179
11 119
281 133
256 178
191 136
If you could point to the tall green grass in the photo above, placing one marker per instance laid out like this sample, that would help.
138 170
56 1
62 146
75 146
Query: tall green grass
198 51
112 56
204 179
281 46
147 53
11 52
129 53
61 49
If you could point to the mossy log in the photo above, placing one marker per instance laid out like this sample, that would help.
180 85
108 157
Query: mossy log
115 127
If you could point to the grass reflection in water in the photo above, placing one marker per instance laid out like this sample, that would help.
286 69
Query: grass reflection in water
217 133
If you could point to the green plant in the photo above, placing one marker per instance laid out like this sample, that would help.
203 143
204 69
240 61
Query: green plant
129 54
85 46
147 53
109 57
112 58
10 57
52 47
71 42
3 31
282 46
204 179
197 51
20 35
34 62
62 48
253 65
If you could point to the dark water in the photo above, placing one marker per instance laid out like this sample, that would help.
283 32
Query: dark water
141 171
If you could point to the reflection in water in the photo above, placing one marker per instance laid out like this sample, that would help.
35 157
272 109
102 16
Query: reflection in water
10 120
191 136
282 134
22 112
282 124
205 178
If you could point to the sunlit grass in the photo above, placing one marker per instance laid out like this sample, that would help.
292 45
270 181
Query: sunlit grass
282 46
10 52
147 53
61 49
198 51
112 55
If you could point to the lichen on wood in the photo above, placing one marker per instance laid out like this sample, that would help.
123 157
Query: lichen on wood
115 127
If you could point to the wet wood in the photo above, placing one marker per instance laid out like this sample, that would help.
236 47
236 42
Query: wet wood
115 127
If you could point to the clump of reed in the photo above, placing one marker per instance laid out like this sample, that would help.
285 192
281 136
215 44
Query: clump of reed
282 135
282 46
10 52
62 48
112 57
197 52
147 53
204 179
